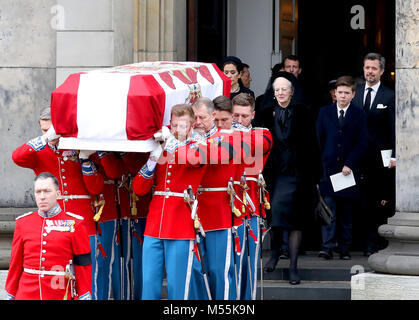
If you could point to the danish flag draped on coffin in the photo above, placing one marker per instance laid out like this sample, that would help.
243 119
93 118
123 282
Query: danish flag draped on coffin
120 108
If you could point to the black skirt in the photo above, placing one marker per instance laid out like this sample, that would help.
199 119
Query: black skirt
291 203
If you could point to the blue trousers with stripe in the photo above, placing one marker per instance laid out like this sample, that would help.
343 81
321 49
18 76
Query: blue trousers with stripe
247 289
218 253
137 255
183 270
102 263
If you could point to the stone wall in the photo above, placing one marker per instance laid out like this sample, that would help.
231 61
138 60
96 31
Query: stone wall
41 43
94 34
27 77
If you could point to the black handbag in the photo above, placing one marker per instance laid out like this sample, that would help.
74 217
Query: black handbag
322 212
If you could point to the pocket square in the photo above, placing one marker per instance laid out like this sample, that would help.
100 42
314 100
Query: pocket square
381 106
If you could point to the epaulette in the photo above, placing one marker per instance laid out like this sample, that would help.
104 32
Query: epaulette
75 215
24 215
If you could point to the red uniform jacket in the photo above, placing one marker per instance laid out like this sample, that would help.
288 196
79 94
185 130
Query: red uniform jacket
123 168
66 167
214 209
169 217
48 244
260 142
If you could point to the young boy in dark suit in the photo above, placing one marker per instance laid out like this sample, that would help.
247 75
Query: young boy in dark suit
342 134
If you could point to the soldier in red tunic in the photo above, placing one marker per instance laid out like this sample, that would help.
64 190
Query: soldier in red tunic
78 178
77 175
50 257
217 201
260 142
170 231
132 215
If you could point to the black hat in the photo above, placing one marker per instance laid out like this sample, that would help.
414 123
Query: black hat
234 60
287 75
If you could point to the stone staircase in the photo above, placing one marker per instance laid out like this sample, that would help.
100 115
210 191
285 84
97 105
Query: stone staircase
320 279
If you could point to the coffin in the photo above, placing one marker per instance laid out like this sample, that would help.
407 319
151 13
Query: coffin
120 108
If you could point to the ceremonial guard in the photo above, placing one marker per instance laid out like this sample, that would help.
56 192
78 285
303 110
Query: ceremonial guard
132 210
217 194
252 185
50 255
78 177
172 232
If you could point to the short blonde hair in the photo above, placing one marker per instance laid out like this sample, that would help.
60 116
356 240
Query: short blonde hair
183 109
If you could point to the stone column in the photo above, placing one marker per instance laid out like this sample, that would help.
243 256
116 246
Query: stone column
160 32
402 231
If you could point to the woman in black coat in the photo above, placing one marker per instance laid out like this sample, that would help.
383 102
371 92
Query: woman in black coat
293 169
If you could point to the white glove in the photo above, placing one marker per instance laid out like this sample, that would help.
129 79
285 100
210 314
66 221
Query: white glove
51 134
85 154
163 134
156 152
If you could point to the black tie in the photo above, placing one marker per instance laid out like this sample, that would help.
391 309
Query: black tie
367 100
341 117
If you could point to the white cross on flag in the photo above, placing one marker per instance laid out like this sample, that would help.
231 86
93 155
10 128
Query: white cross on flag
120 108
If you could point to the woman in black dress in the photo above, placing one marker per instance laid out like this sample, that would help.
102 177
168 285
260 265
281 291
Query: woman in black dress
294 168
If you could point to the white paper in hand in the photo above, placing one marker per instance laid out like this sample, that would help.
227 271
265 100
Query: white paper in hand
386 156
340 182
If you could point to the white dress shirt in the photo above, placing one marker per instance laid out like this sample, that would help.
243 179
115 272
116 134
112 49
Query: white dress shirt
373 91
344 109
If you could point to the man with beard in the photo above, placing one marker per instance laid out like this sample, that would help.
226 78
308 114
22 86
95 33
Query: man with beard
377 181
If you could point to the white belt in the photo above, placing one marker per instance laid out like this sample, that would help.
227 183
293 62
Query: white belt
73 197
213 189
109 182
44 273
168 194
247 179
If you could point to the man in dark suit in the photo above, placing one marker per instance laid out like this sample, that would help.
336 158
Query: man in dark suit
377 181
342 134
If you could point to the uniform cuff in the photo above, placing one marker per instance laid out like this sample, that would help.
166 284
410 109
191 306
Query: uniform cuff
147 170
37 143
88 168
86 296
9 296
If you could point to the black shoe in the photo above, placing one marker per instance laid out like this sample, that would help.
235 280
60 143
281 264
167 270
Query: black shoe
284 254
271 264
294 277
326 254
345 256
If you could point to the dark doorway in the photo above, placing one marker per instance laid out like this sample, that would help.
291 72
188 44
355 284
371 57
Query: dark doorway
329 47
207 30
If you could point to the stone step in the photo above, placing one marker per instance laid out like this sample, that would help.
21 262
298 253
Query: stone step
306 290
324 274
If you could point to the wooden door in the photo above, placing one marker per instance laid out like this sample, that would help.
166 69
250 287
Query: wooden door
288 27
